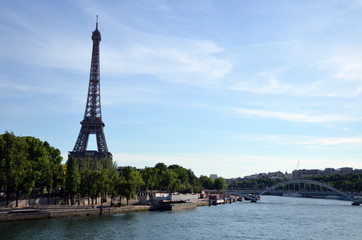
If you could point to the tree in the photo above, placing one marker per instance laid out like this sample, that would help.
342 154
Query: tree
72 180
2 163
40 163
24 180
16 169
161 167
27 164
7 150
112 180
169 181
150 178
206 182
220 184
194 183
182 175
97 178
129 181
85 184
56 174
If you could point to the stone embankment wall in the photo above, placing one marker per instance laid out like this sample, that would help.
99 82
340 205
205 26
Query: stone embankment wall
45 201
7 215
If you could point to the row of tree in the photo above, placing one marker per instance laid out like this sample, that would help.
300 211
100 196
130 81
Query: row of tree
90 178
30 166
345 183
258 183
177 178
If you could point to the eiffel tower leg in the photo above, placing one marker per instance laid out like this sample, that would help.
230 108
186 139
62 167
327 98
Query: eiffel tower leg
101 141
82 140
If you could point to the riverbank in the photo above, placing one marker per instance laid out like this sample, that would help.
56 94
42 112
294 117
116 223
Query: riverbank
56 211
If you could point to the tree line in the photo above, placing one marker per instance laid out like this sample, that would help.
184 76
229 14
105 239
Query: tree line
31 166
28 165
345 183
258 183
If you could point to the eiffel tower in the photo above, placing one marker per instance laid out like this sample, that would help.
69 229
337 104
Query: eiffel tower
92 122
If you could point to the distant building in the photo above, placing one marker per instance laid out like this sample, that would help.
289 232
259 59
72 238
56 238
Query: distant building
345 170
305 173
297 174
213 176
330 171
275 175
288 176
271 175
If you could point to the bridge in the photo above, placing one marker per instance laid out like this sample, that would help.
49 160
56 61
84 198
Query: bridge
303 187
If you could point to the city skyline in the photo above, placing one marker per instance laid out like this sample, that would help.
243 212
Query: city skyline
230 88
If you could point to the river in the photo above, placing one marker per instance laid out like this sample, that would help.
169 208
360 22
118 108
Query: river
271 218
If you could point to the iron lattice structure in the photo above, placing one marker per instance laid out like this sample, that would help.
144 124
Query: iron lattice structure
92 122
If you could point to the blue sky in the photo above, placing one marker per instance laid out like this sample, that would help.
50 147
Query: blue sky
226 87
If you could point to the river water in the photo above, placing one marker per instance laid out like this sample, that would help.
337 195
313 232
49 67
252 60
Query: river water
271 218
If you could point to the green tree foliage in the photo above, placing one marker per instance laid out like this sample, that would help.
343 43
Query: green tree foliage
150 178
129 182
170 178
194 185
91 178
27 165
207 183
220 184
345 183
181 181
2 163
72 180
19 180
169 181
259 183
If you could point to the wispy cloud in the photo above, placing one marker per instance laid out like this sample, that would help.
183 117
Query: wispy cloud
176 60
172 59
303 140
264 82
296 117
336 75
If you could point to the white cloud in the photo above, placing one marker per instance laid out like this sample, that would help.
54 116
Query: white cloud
303 140
296 117
192 62
264 83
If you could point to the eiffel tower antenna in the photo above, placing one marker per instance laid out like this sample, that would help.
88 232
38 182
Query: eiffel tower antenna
92 122
97 22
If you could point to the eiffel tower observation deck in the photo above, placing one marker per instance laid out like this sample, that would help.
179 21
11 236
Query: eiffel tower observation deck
92 122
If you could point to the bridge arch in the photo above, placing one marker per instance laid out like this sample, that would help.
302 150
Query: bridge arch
309 182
